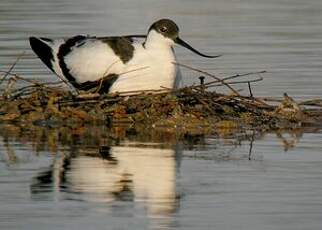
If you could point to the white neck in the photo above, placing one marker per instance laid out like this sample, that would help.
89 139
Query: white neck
156 57
157 40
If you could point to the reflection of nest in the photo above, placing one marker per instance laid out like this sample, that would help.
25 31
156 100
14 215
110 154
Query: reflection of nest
189 107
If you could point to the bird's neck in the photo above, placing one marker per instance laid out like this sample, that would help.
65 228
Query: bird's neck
156 40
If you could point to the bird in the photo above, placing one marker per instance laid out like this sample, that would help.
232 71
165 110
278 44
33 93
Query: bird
116 63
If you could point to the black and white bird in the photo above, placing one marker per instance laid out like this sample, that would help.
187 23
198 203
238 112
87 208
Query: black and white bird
118 63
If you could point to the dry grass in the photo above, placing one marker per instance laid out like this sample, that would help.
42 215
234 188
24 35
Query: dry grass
194 107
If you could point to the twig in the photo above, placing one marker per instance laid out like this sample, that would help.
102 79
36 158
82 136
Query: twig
271 99
235 76
208 74
31 81
37 83
29 89
138 92
70 102
315 102
133 70
236 82
100 81
105 76
250 89
245 74
11 67
69 85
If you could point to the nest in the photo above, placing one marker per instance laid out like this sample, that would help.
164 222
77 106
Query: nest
197 106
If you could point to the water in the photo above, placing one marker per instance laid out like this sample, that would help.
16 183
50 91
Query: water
282 37
94 177
97 178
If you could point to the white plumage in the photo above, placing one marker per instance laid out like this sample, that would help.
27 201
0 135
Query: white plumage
120 62
151 66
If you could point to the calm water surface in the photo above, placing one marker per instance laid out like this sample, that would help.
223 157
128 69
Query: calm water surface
282 37
97 178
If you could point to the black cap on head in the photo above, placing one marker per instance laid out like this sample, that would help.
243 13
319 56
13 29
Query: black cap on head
169 29
166 27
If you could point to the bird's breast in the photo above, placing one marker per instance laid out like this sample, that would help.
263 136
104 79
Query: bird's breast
149 69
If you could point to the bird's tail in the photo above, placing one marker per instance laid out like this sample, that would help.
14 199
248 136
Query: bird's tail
43 48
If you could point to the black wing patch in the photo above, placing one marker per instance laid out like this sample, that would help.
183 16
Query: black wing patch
102 85
43 51
122 47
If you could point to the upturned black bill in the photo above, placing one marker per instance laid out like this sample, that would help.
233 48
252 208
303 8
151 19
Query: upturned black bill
186 45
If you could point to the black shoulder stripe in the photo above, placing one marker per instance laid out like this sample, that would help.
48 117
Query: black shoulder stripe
43 51
65 49
122 47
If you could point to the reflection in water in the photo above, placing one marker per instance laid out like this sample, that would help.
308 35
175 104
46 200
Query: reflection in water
133 172
68 143
128 174
128 171
289 139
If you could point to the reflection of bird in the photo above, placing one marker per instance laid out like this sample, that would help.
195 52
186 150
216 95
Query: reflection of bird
129 173
116 63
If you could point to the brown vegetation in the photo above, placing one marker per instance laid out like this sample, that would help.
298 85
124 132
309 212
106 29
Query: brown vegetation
194 107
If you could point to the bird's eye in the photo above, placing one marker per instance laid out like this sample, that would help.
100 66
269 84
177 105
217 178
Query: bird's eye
163 29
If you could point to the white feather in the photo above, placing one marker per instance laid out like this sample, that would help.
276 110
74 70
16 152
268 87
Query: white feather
151 67
92 61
